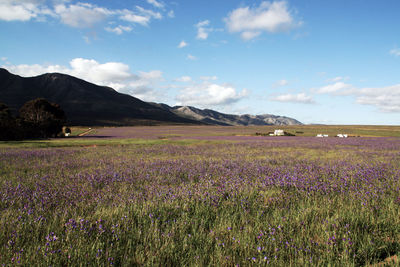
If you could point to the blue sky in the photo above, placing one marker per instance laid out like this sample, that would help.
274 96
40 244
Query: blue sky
334 62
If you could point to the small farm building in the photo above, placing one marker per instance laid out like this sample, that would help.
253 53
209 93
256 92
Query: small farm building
279 132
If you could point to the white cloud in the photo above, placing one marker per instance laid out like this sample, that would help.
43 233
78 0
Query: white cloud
130 16
149 13
203 30
156 3
16 12
336 88
142 16
395 52
144 86
294 98
98 73
35 69
337 79
248 35
268 17
119 29
209 94
171 14
78 15
154 75
208 78
182 44
280 83
81 15
11 10
202 34
386 99
191 57
203 23
184 79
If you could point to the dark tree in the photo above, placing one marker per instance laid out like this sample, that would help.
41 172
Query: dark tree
42 118
8 126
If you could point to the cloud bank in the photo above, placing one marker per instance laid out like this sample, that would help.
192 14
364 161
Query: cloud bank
81 14
385 99
144 85
113 74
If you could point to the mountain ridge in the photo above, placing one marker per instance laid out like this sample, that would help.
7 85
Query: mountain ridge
219 118
86 103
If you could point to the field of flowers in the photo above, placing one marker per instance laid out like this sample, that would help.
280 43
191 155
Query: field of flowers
292 201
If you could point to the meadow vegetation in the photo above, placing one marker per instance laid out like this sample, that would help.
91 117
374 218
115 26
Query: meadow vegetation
185 132
294 201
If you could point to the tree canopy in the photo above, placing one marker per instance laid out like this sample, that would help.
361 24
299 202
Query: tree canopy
37 119
45 117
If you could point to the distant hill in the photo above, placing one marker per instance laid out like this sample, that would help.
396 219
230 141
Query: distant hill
88 104
84 103
214 117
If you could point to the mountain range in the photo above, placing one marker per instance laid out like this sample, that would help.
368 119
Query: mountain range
213 117
88 104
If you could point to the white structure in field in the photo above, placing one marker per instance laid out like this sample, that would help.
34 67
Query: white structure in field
322 135
279 132
342 135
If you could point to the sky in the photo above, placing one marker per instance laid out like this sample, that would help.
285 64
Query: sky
328 62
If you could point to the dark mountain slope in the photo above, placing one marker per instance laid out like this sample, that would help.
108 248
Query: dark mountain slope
84 103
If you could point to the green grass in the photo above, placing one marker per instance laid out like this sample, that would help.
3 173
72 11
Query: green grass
126 202
83 142
194 233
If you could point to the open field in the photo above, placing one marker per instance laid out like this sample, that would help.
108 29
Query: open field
184 132
198 196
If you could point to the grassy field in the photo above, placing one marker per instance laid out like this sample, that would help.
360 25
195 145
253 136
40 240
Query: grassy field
234 200
185 132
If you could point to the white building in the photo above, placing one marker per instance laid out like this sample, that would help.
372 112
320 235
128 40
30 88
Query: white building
279 132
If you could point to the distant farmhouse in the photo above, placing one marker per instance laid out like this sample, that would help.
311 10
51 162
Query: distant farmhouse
278 133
